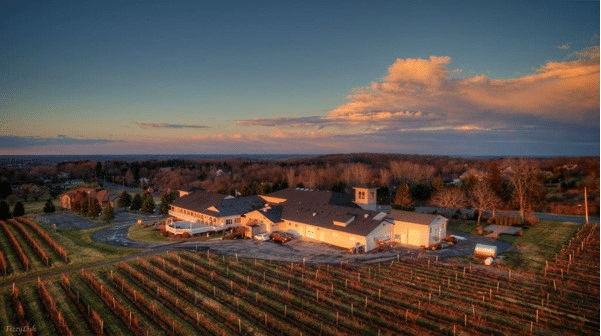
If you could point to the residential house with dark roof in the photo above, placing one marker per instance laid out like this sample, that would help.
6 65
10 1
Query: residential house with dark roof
103 196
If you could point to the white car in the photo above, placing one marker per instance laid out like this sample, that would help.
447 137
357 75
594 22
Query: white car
262 236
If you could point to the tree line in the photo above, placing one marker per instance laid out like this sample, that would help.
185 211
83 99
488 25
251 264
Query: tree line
404 181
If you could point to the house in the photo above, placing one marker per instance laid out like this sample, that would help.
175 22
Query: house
417 229
104 197
333 218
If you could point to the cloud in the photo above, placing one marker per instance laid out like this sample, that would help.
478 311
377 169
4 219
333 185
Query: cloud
564 47
11 141
426 94
146 125
336 121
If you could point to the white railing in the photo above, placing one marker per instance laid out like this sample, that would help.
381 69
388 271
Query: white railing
193 231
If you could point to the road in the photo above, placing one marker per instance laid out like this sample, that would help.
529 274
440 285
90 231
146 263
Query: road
540 215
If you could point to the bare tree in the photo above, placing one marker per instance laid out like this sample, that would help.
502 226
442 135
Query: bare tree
449 197
483 198
525 181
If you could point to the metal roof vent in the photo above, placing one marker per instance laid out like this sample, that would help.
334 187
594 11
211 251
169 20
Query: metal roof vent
314 214
366 216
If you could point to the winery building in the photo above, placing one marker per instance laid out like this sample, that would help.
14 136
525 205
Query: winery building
329 217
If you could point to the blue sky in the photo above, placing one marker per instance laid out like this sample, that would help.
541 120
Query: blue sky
432 77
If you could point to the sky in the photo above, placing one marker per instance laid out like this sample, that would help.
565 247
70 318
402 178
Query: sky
460 78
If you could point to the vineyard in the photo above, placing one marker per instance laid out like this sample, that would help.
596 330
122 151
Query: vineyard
24 246
184 293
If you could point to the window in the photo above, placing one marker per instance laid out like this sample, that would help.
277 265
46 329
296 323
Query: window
228 221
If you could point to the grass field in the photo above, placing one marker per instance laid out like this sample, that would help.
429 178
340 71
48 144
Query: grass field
538 244
468 226
146 234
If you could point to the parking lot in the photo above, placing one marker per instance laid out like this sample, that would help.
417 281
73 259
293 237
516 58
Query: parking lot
316 252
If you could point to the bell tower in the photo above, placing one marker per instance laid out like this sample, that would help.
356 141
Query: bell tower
366 197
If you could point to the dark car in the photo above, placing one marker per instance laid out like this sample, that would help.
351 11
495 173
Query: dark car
280 237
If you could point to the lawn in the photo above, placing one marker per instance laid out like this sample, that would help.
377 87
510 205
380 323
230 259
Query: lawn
538 244
146 234
468 226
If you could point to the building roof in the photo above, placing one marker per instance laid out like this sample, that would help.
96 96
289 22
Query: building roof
218 205
102 195
358 221
316 197
273 213
411 217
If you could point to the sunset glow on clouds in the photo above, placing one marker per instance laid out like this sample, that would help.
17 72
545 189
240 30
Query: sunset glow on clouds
426 92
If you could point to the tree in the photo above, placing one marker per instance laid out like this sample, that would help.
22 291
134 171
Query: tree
148 204
49 206
84 205
4 211
94 209
437 183
19 209
55 190
108 213
483 198
5 189
449 197
164 205
402 199
124 200
37 191
23 191
136 203
525 181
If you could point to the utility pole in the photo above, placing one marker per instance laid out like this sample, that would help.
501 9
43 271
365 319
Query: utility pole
585 206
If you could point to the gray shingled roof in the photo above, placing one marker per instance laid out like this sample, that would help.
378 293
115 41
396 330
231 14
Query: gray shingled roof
411 217
273 213
326 214
201 200
315 197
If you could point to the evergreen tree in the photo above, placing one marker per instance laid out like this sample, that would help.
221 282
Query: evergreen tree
136 203
49 206
124 200
164 205
19 209
148 205
108 214
94 209
402 199
4 210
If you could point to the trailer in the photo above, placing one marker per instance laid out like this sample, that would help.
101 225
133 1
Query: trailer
485 251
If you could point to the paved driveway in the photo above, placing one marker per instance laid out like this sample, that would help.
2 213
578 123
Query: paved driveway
315 252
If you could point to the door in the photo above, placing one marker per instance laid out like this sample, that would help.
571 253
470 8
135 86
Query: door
311 232
414 237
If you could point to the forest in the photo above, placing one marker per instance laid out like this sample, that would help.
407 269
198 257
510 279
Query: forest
404 181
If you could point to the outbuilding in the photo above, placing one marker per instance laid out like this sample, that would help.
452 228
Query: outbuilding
417 229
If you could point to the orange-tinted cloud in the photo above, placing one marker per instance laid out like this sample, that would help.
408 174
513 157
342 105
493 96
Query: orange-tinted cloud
427 94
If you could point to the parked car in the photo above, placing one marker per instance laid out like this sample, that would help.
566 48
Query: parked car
262 237
281 237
